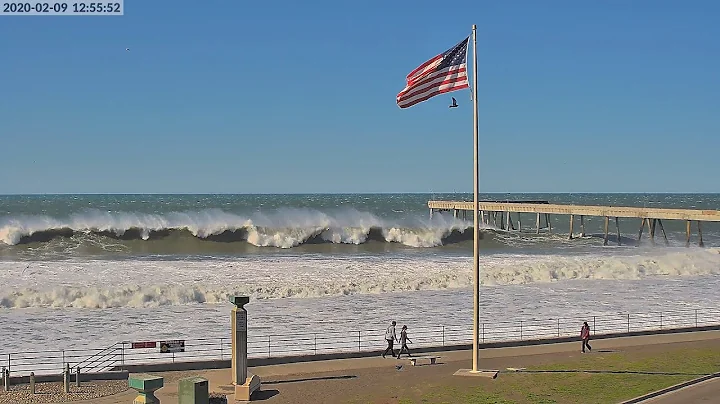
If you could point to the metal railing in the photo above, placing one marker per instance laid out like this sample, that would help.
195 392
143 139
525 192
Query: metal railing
281 345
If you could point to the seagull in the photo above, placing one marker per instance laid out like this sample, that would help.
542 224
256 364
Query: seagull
127 49
454 104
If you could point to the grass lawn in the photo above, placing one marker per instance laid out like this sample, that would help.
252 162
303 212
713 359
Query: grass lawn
575 386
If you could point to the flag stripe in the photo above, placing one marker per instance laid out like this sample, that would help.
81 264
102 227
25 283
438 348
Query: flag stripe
423 68
433 79
430 78
437 92
441 74
458 81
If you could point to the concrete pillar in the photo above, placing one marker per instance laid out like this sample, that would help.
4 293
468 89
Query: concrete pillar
66 378
193 390
145 385
239 339
245 384
6 378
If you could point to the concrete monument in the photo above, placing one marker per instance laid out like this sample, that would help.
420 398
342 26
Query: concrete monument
245 384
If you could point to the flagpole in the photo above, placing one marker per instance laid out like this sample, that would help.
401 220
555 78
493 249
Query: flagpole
476 221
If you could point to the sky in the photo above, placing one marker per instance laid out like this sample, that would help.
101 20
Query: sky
299 97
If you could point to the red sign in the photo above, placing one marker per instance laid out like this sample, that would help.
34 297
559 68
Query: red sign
149 344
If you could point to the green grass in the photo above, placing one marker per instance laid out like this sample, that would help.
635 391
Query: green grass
579 387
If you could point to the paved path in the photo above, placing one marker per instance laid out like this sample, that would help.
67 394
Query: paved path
501 357
704 392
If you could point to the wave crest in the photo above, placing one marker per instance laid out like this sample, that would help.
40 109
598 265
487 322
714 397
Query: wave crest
283 228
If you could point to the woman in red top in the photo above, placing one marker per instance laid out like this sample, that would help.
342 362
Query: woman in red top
585 336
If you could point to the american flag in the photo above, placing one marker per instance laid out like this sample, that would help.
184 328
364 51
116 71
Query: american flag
444 73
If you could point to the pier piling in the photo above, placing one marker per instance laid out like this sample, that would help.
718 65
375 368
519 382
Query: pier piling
662 228
547 221
642 227
700 242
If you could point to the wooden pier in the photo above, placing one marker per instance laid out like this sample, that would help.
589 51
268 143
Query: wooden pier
498 213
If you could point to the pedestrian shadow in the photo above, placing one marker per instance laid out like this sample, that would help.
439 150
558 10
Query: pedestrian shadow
312 379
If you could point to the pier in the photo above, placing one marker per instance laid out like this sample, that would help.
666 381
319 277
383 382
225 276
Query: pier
499 214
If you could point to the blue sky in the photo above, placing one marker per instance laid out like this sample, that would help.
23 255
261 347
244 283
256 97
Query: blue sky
285 96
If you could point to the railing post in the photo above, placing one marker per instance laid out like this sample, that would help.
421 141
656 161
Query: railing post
315 349
443 335
173 357
221 348
696 323
63 358
558 326
122 356
358 341
483 333
661 323
268 346
520 330
593 330
628 323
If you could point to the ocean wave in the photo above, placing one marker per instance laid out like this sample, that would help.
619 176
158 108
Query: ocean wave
212 282
282 228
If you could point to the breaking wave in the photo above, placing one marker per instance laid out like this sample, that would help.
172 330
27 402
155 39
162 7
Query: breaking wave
283 228
212 282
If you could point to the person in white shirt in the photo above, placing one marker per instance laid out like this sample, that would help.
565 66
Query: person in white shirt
390 337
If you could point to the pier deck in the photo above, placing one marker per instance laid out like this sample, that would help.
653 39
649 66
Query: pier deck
652 216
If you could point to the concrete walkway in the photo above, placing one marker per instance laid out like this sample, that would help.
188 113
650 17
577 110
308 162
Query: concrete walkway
704 392
219 379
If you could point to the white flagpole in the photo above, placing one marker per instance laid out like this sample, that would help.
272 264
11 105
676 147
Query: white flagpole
476 221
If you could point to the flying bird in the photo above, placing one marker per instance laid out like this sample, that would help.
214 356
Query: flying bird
127 49
454 104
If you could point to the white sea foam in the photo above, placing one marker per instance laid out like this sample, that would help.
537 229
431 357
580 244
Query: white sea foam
283 228
143 283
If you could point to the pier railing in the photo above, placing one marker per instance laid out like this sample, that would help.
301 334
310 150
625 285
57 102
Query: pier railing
343 341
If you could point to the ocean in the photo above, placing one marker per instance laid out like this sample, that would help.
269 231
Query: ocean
93 270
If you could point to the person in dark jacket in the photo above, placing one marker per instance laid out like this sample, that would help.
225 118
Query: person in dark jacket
585 337
403 342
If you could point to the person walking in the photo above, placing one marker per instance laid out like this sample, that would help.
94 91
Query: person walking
585 336
403 342
390 337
